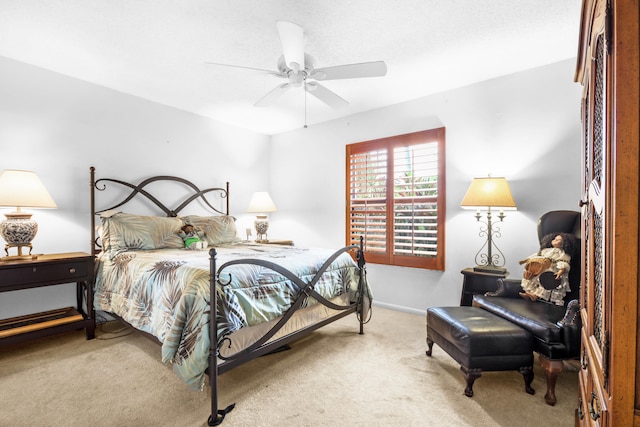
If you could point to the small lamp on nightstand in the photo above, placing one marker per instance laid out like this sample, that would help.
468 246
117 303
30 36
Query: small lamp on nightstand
22 189
484 194
261 204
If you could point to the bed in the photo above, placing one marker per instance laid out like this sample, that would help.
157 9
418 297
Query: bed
264 296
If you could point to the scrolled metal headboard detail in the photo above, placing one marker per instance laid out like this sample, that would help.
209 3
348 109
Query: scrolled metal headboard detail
139 189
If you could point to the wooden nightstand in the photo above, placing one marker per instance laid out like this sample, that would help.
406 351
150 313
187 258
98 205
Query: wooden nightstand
49 270
478 282
276 242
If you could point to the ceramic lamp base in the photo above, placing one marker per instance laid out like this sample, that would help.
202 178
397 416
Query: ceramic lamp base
262 225
18 230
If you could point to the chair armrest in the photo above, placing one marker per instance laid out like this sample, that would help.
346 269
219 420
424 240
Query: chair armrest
507 288
571 325
571 316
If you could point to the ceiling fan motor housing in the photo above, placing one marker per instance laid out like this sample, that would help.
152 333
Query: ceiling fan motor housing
297 77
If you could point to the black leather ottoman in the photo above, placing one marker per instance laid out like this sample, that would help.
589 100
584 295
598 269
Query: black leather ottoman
480 341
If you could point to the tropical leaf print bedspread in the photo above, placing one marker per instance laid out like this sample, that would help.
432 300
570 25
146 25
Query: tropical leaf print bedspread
166 293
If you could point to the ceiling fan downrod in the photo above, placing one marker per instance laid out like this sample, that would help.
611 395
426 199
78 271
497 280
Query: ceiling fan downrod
305 104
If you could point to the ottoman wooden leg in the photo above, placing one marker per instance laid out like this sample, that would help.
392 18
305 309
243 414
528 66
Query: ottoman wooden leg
429 346
527 373
470 375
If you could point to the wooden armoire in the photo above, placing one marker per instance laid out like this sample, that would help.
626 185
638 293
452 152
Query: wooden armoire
609 70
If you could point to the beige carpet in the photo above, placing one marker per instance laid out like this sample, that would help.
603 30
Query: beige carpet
334 377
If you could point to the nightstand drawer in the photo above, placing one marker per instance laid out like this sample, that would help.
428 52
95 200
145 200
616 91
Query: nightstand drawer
44 271
71 271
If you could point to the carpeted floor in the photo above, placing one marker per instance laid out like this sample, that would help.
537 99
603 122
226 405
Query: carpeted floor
334 377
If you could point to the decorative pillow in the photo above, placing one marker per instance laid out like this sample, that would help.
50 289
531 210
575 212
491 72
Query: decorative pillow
217 229
123 231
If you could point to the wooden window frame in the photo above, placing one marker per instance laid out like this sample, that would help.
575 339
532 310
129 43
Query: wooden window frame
388 257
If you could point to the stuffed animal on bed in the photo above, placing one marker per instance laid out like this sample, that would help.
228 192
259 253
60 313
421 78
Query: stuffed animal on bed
546 273
193 239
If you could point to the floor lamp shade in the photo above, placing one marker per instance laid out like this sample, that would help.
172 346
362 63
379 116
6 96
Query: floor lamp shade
21 189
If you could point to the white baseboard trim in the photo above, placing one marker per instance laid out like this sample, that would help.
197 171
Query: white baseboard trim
400 308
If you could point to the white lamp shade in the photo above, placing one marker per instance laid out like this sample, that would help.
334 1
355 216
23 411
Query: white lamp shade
489 193
20 188
261 203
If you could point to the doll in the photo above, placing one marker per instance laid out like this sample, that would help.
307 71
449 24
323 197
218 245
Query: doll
192 238
546 273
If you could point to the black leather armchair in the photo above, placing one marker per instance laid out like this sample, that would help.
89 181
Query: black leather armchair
555 329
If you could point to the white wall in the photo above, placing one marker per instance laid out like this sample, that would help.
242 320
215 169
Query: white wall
59 127
524 126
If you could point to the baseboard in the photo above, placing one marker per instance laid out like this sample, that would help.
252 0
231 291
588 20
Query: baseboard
400 308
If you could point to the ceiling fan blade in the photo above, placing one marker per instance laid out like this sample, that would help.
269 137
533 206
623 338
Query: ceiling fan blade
273 73
274 94
325 95
351 71
292 41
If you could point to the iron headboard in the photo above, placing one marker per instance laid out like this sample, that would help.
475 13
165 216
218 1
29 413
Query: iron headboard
139 189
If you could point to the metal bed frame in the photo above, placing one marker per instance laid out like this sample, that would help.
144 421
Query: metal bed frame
262 346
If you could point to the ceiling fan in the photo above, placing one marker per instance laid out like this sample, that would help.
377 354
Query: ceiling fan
298 68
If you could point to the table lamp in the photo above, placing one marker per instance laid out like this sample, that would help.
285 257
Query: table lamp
261 204
21 189
485 194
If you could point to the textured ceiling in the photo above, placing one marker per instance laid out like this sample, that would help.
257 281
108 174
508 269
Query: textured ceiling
156 49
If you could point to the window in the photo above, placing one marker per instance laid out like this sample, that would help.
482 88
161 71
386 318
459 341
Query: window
396 199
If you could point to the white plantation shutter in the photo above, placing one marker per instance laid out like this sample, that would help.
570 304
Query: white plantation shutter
396 199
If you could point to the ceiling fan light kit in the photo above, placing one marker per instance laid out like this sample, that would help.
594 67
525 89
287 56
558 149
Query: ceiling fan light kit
298 67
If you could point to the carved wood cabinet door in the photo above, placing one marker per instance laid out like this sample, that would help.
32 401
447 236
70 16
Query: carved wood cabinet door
608 71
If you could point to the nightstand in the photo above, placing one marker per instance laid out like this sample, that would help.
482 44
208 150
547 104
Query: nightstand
49 270
478 282
276 242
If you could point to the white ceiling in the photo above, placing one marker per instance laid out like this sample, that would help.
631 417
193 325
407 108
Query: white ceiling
156 49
